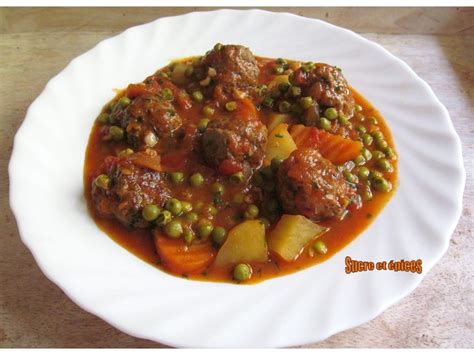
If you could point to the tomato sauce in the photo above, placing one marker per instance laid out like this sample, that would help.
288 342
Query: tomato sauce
140 241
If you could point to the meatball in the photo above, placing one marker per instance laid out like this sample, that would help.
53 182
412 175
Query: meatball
130 188
233 144
235 67
309 185
327 86
146 119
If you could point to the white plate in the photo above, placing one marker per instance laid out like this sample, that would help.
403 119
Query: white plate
46 191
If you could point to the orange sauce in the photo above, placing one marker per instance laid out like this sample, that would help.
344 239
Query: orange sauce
140 241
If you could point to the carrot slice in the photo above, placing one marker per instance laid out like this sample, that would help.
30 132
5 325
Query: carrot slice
333 147
181 258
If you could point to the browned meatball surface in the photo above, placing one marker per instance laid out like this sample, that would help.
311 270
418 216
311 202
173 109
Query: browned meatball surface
235 67
131 187
145 117
327 86
232 144
310 185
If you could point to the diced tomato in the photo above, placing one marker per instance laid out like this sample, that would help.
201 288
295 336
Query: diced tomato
229 167
299 77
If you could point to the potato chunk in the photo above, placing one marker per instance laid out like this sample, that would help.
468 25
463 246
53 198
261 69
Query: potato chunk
291 234
277 118
245 243
280 143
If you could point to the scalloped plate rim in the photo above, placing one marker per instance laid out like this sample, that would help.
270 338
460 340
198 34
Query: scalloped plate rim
49 273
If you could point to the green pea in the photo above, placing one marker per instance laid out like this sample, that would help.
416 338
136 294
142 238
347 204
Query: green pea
307 67
237 178
174 206
359 160
174 229
103 118
295 91
358 108
207 111
350 177
102 181
164 217
262 89
330 113
116 133
188 71
197 96
363 173
167 94
382 185
218 235
150 212
375 174
217 188
238 198
366 154
384 165
279 70
124 101
343 119
361 129
268 102
284 107
177 177
377 154
202 124
367 139
186 207
367 193
324 123
242 272
204 228
191 217
284 87
231 106
377 135
389 153
306 102
275 163
381 143
373 120
267 172
211 210
188 236
196 179
126 152
251 212
218 46
320 247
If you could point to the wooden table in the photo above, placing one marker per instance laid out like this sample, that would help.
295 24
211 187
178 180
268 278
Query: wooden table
35 44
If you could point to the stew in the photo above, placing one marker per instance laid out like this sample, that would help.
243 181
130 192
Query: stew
232 167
